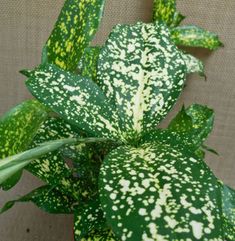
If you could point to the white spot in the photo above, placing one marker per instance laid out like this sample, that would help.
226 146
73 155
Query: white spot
197 229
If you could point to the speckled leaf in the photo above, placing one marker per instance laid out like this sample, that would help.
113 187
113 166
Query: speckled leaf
100 235
196 121
164 10
193 64
77 99
46 198
142 72
73 31
87 217
228 204
17 129
12 164
193 36
156 192
52 168
87 66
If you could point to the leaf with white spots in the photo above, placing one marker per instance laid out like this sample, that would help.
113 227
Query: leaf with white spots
193 36
193 64
105 234
77 99
196 121
73 31
87 217
228 207
156 192
17 130
88 64
46 198
52 168
142 73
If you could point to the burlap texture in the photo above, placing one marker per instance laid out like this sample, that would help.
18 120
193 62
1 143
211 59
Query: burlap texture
24 28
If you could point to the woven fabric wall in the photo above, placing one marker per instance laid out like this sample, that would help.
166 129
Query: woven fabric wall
25 26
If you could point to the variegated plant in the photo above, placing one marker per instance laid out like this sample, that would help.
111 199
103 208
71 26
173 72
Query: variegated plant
99 107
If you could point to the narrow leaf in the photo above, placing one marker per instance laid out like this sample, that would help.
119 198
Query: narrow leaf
46 198
88 64
143 73
73 31
77 99
193 36
156 192
17 130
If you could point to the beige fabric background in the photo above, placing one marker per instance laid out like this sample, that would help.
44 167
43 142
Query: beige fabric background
25 26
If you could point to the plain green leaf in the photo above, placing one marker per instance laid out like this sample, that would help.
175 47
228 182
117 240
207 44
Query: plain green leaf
193 36
73 31
142 73
77 99
156 192
46 198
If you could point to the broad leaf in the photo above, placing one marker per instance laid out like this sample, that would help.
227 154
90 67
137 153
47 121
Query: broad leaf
73 31
88 64
196 121
77 99
46 198
193 64
17 129
143 73
164 10
228 204
156 192
193 36
12 164
87 217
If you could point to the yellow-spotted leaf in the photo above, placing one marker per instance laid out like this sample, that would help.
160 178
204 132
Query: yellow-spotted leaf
87 66
13 164
193 36
164 10
77 99
47 198
17 130
228 204
196 122
73 31
142 73
156 192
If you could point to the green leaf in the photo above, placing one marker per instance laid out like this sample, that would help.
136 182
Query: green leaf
73 31
87 217
46 198
164 10
228 204
193 36
142 73
52 168
178 18
12 164
156 192
17 130
88 63
77 99
196 122
100 235
193 64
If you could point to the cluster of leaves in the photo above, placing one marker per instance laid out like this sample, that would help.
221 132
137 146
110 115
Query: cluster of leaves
101 155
